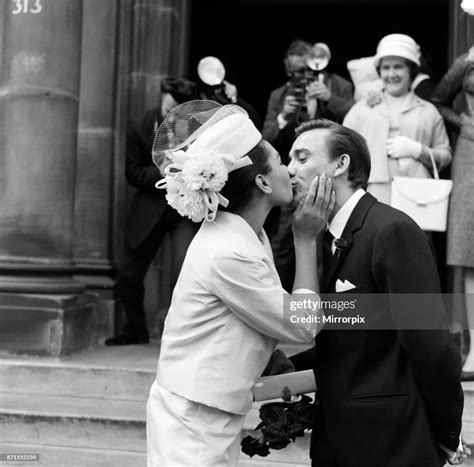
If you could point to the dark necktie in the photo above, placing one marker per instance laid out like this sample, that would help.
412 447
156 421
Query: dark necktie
327 250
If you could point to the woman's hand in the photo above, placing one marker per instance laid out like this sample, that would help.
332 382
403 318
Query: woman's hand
313 211
458 457
401 146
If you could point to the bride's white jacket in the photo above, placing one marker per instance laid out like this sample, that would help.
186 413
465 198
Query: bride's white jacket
226 317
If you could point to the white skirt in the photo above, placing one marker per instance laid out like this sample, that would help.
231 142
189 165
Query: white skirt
188 434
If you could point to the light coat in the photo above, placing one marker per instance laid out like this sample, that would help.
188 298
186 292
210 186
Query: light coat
419 120
226 317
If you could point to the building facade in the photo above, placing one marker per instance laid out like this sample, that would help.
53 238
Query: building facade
73 72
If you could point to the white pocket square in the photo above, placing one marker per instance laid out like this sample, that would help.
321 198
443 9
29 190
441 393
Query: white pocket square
344 286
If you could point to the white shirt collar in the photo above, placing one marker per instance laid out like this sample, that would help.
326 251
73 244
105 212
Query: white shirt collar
338 224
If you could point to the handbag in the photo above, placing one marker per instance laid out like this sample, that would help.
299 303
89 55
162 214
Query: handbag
425 200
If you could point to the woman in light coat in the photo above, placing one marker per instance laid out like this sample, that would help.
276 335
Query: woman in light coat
401 129
227 310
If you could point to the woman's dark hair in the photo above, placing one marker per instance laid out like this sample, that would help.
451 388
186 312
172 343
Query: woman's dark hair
413 68
181 89
240 187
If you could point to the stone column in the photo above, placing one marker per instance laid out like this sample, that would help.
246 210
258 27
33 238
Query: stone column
39 87
95 174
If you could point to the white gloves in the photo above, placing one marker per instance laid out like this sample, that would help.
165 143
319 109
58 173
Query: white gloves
401 146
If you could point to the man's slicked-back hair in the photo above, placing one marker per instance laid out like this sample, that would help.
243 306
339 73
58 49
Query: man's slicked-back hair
343 140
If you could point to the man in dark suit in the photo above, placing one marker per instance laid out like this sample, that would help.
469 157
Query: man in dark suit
150 217
388 398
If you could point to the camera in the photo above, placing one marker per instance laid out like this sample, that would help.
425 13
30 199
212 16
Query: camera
299 81
317 60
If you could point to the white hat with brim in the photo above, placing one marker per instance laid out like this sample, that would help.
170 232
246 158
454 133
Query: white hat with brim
398 45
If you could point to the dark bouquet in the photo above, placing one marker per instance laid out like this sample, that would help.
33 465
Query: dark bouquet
282 422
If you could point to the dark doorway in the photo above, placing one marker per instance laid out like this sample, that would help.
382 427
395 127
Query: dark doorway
250 37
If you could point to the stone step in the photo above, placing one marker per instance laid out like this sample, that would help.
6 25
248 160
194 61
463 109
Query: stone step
73 422
74 429
122 373
49 325
57 456
93 404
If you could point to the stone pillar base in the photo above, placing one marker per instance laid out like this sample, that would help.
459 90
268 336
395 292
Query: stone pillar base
48 325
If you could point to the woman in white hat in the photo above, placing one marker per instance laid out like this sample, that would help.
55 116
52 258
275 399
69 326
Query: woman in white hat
402 130
226 314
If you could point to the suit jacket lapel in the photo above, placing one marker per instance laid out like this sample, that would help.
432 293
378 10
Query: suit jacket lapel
354 223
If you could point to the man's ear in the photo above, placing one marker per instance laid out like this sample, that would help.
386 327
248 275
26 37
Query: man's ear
343 164
263 184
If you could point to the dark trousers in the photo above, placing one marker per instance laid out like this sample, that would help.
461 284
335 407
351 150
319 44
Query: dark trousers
134 263
283 248
323 455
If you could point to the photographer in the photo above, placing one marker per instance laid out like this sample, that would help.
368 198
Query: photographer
305 96
226 93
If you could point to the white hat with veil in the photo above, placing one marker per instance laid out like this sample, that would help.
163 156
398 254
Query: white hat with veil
198 144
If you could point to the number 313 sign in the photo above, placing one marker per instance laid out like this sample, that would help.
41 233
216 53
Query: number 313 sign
26 6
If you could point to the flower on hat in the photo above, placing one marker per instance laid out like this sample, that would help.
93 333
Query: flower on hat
205 171
189 203
193 182
195 176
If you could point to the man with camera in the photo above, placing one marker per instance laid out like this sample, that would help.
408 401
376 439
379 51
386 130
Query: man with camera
311 92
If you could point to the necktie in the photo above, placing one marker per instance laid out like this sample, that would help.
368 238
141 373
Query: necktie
327 250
